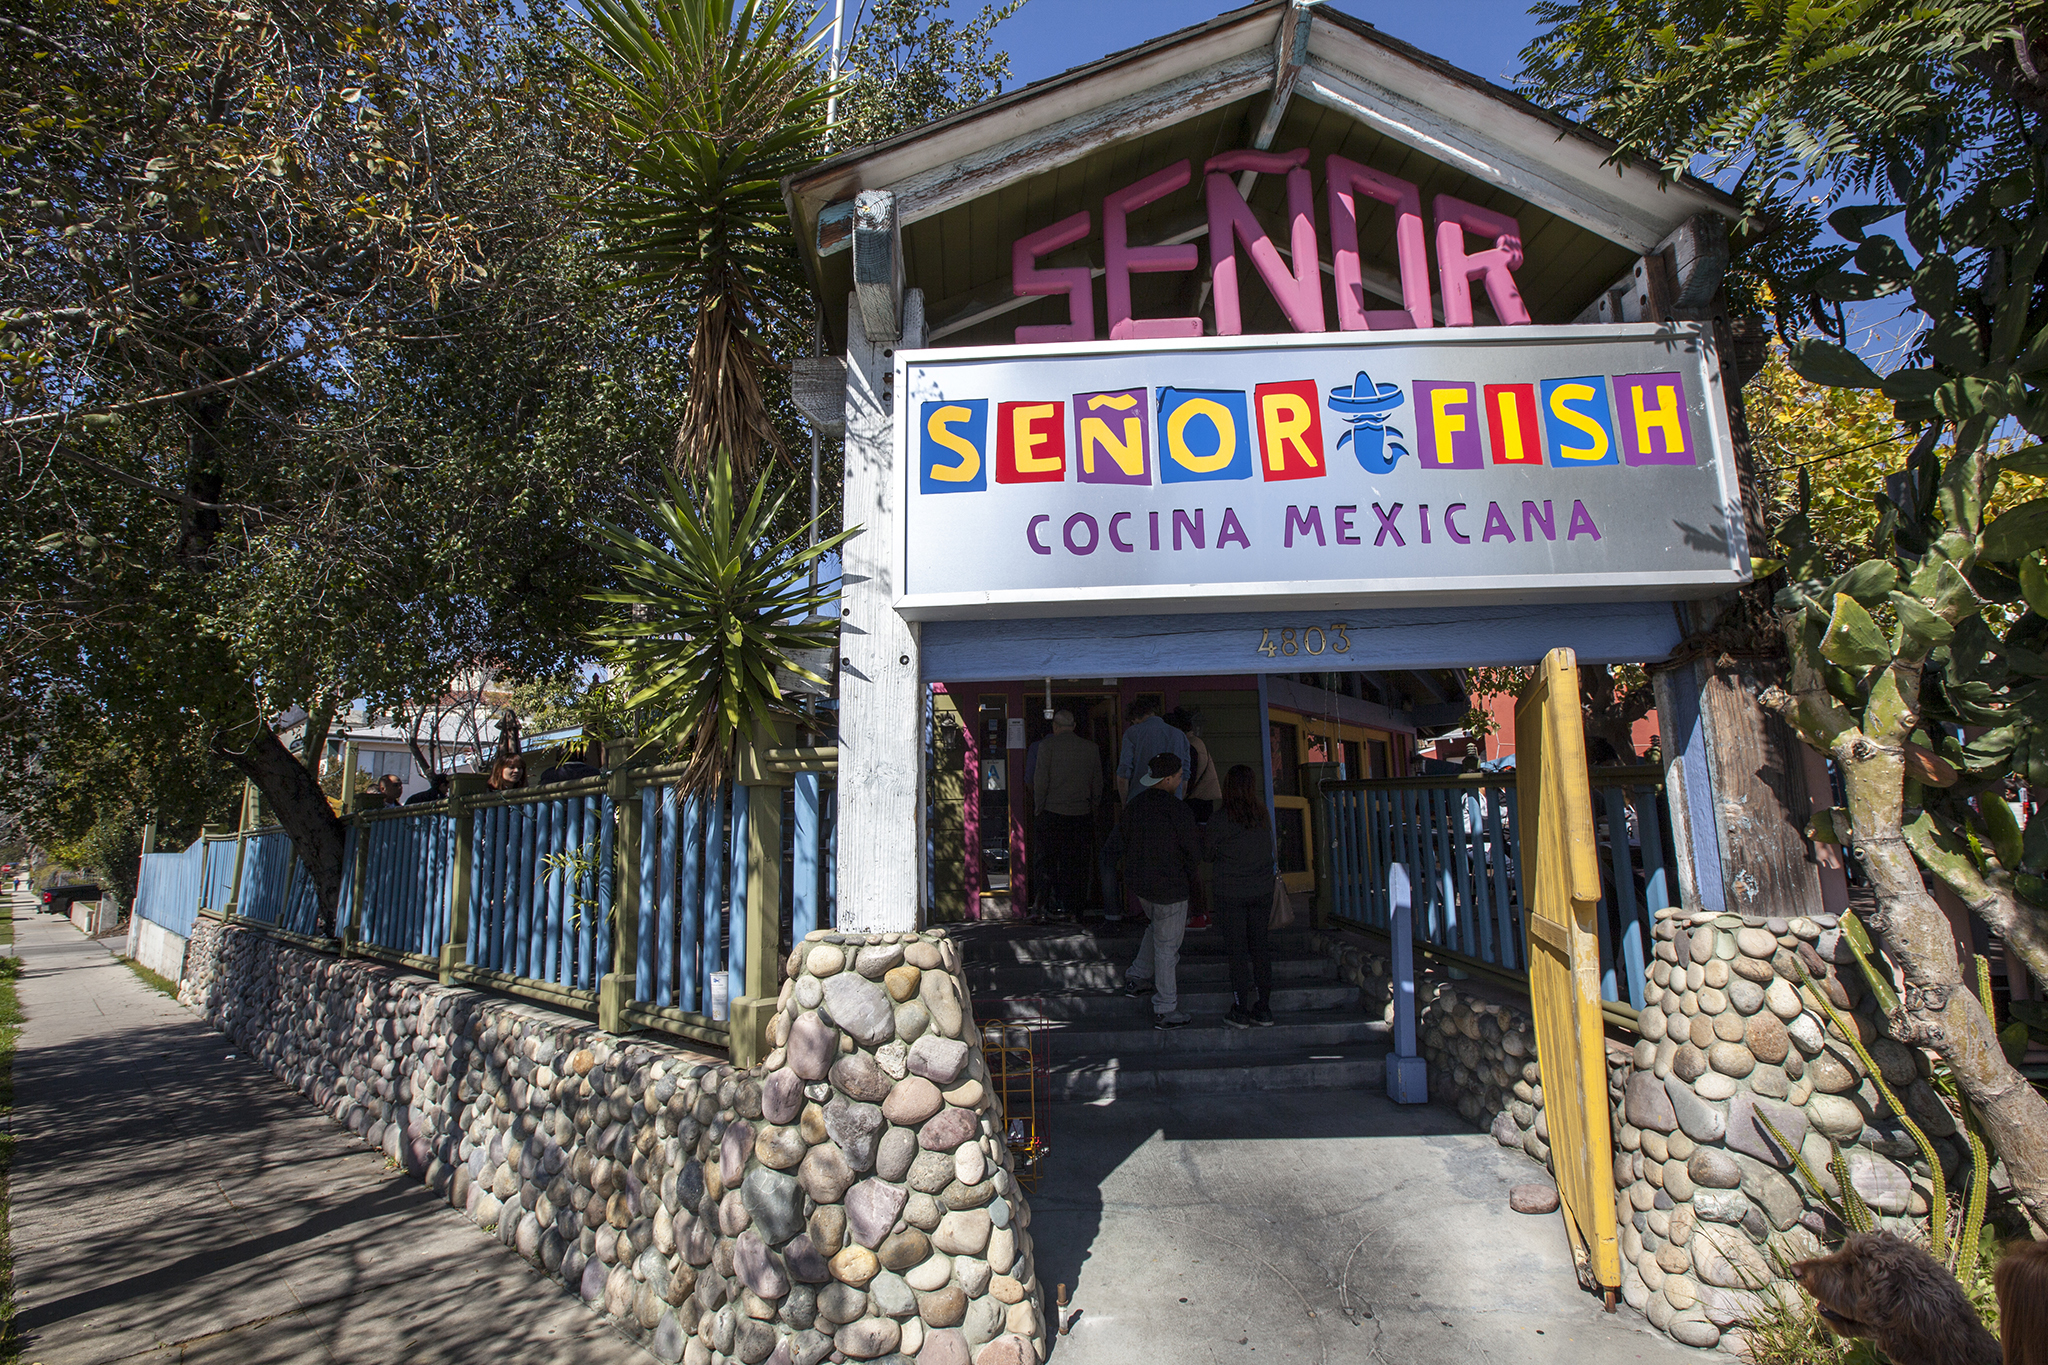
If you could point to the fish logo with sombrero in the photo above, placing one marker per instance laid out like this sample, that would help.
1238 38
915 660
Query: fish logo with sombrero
1366 407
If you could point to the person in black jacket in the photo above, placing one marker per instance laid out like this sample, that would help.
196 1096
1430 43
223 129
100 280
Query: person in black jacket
1162 853
1239 842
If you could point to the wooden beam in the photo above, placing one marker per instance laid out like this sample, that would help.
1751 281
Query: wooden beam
981 173
1290 55
881 713
1470 150
1680 280
1182 63
878 264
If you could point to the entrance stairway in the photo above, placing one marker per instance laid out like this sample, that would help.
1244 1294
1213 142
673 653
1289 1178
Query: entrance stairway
1102 1046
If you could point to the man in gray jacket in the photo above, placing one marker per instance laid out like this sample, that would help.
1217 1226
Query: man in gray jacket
1066 787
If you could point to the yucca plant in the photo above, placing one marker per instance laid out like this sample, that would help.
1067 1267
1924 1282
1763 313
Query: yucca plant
709 104
708 612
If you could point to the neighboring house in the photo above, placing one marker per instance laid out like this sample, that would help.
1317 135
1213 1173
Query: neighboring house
460 738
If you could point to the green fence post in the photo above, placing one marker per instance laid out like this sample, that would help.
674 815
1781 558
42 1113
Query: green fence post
463 789
761 975
242 819
616 987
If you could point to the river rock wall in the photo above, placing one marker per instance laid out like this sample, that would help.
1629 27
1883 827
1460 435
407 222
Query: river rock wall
850 1199
1711 1206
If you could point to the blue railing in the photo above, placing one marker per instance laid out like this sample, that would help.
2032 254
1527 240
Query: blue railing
405 885
1457 836
220 871
540 885
693 897
535 872
266 867
168 887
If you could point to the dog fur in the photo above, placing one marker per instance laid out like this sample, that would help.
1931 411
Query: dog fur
2022 1283
1886 1288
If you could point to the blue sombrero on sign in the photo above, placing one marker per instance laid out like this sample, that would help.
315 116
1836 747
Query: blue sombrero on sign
1365 406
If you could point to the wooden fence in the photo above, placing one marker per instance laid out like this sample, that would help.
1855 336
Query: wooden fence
613 895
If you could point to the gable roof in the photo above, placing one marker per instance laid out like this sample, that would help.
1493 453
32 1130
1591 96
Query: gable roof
1275 73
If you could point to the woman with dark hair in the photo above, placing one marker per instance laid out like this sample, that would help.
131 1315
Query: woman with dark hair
1239 842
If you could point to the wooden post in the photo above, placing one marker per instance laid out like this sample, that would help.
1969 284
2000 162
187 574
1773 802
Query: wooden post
760 974
348 776
242 819
463 788
616 987
881 762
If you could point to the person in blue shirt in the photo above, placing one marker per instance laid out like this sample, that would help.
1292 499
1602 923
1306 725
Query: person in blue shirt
1149 734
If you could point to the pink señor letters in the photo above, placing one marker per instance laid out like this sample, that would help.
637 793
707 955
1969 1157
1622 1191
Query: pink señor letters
1298 290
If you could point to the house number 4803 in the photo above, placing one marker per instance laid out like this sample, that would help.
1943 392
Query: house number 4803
1291 640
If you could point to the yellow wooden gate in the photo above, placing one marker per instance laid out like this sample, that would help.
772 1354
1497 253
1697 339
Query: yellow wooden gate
1563 888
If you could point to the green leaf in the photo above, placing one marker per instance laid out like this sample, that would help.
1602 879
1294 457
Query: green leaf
1920 630
1853 639
1825 362
2034 581
2012 1040
1935 285
2032 460
1868 582
1957 342
2003 827
1911 386
2016 534
1851 221
1881 258
1968 398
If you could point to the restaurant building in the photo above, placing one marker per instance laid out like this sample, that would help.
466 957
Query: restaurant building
1275 370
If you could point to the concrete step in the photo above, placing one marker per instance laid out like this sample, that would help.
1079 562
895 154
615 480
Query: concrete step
1006 944
1074 1040
1097 1079
1115 1005
1196 971
1106 974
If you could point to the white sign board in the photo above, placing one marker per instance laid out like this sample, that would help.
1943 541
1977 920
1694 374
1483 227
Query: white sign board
1383 469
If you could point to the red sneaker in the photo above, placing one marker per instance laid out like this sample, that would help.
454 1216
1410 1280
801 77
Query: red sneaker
1198 921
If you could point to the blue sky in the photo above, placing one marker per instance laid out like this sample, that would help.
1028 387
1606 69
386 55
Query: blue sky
1048 36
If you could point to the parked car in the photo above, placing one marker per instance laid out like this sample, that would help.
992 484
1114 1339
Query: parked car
57 897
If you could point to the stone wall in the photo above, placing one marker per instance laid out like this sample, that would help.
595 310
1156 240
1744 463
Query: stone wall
851 1198
1709 1207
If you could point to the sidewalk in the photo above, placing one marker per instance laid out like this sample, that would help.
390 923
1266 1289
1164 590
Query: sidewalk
171 1201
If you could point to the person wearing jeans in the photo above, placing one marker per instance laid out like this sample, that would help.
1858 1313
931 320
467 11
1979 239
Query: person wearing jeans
1239 844
1161 853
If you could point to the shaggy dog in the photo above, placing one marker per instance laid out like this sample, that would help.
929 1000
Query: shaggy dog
1886 1288
2022 1283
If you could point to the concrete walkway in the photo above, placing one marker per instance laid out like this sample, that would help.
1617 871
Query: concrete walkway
1309 1227
172 1201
